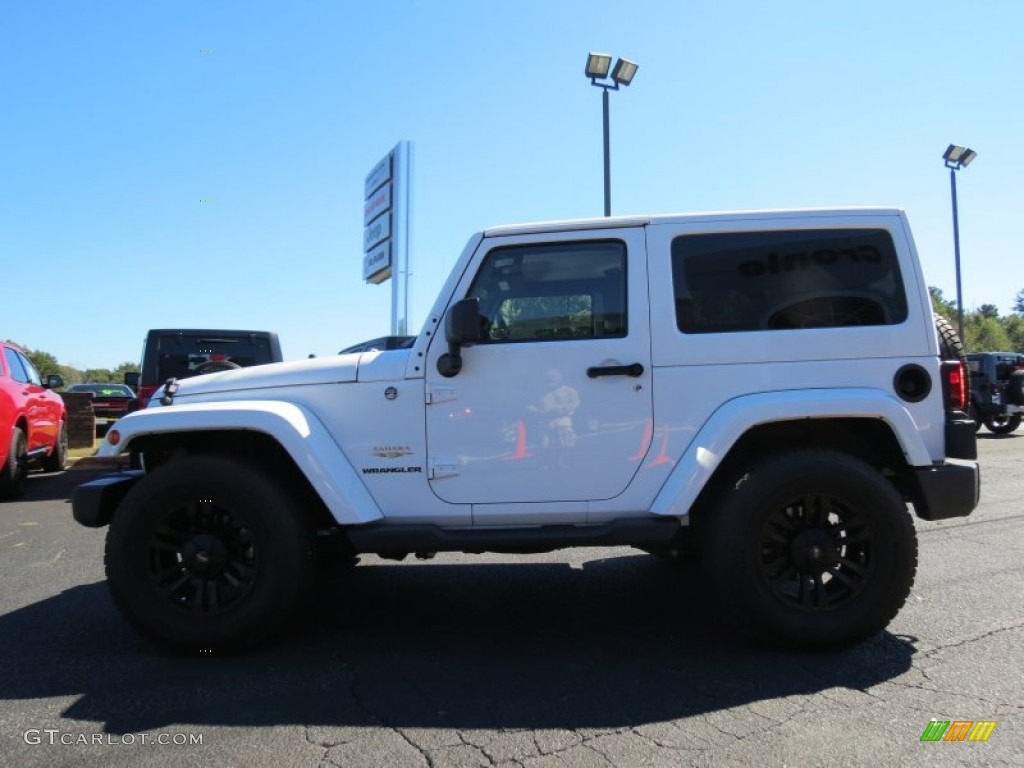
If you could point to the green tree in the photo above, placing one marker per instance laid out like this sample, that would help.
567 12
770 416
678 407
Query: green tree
97 375
985 334
70 375
47 363
1018 303
941 306
118 373
988 310
1014 327
44 362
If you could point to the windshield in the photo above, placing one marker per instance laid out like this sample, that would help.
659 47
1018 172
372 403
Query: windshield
105 390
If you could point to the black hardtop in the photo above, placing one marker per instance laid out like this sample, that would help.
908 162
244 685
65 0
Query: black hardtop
178 352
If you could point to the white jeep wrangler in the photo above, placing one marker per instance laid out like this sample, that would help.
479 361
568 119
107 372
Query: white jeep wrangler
766 390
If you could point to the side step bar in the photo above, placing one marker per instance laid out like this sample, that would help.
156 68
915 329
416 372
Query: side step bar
387 539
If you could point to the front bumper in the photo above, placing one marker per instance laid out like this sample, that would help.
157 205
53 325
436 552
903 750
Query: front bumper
93 503
949 489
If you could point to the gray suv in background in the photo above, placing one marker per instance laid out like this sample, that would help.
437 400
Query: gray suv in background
997 390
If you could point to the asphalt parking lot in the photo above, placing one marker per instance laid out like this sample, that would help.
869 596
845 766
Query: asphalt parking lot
585 658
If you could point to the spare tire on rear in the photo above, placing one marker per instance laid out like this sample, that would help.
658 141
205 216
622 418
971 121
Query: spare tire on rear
951 347
1015 388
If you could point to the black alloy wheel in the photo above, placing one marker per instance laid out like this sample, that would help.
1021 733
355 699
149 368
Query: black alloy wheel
816 552
209 553
808 549
202 557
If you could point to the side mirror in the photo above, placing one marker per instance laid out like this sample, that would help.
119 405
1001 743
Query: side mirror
462 324
54 381
131 378
461 329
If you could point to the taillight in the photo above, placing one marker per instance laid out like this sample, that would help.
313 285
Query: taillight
145 392
954 380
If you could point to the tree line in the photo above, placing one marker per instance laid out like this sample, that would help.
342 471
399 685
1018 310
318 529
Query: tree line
984 329
47 363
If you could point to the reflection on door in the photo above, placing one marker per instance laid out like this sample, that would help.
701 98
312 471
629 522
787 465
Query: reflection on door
524 421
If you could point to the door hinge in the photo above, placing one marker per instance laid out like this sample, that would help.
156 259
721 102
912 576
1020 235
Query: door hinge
443 468
440 395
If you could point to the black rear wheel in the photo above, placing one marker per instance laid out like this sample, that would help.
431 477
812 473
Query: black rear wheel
1003 425
13 471
207 553
811 549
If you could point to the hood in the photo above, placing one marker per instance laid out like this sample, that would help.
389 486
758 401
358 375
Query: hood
338 369
318 370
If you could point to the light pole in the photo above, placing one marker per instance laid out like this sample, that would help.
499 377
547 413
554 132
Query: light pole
957 157
598 65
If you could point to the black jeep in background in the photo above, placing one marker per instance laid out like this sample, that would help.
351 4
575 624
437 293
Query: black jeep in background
997 390
181 353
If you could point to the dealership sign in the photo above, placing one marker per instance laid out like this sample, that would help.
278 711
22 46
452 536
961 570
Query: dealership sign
387 224
377 221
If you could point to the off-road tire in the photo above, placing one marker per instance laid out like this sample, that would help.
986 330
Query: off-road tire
810 549
1015 388
951 347
58 458
12 473
209 553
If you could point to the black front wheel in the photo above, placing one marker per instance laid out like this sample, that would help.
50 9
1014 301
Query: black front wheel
811 549
58 458
207 553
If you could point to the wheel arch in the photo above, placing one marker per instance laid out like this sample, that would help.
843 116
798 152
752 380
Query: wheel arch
284 438
867 424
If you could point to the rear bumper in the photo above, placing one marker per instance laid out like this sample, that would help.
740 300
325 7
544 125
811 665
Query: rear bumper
949 489
961 437
93 503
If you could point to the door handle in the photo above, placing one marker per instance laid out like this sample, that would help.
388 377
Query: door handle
633 370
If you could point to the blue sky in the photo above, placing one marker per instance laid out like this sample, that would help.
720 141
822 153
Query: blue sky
118 118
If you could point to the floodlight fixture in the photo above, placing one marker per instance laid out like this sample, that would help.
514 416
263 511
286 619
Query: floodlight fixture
598 67
624 72
958 157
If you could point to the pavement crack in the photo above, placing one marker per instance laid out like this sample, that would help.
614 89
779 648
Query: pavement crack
423 753
466 742
969 640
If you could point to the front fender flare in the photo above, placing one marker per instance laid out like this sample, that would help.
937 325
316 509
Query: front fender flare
296 429
734 418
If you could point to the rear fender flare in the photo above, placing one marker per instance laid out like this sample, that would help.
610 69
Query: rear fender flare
733 419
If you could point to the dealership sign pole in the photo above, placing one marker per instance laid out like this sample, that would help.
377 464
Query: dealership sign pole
386 230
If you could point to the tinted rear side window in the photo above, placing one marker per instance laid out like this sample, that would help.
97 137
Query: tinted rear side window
764 281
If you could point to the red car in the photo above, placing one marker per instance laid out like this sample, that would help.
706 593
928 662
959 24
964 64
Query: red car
32 420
